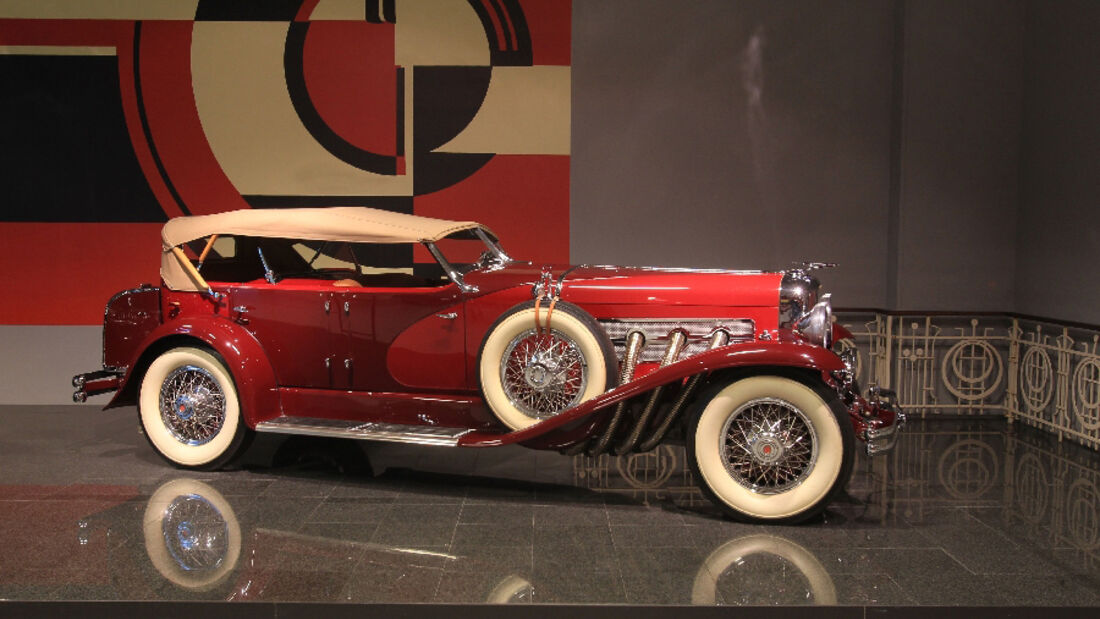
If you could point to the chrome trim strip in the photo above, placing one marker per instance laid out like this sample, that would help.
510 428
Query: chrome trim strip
371 431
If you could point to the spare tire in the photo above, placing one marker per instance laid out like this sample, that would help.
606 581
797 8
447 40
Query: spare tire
527 377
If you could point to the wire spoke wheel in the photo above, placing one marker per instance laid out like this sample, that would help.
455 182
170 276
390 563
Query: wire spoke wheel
543 373
192 405
768 445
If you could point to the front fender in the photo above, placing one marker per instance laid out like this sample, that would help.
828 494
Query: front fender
787 353
245 358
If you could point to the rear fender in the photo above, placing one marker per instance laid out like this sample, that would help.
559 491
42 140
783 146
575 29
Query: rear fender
759 354
245 358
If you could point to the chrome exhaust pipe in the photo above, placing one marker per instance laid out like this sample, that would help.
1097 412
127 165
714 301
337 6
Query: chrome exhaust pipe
79 396
676 340
635 343
719 338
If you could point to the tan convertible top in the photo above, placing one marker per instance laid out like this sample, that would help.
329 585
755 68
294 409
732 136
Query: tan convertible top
343 223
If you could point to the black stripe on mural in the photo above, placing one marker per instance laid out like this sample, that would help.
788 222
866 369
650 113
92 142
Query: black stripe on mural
397 204
311 118
247 10
381 11
513 46
401 111
145 124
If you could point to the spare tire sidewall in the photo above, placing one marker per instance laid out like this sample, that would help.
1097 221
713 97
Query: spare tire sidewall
567 319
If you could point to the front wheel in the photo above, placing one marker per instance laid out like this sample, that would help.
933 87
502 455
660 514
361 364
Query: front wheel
189 409
771 449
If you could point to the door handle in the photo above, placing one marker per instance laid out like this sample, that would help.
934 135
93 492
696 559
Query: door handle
448 316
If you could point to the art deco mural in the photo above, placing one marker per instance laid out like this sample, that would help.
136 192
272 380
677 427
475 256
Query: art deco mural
116 116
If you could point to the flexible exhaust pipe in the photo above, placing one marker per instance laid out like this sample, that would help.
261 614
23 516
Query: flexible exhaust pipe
635 343
718 339
676 340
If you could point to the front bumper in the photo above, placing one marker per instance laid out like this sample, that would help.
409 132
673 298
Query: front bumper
877 419
95 383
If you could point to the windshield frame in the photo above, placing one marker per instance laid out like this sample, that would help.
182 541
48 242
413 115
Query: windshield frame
498 258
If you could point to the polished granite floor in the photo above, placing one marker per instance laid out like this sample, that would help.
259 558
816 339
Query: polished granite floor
964 512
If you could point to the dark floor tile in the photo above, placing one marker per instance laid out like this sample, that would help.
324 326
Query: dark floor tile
414 534
383 583
869 589
340 532
434 513
644 515
582 514
507 514
470 537
333 510
578 586
651 536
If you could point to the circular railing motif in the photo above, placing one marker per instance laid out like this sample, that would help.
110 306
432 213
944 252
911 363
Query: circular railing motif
1086 393
975 370
1032 489
1082 517
967 469
650 470
1036 379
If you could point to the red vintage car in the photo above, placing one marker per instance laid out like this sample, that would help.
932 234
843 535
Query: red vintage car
360 323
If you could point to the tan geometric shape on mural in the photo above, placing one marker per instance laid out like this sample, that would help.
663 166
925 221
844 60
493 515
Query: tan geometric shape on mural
339 10
439 33
250 123
526 111
90 9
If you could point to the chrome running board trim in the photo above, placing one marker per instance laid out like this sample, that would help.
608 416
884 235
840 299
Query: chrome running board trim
370 431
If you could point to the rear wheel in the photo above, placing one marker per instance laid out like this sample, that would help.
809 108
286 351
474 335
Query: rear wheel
528 376
189 409
771 448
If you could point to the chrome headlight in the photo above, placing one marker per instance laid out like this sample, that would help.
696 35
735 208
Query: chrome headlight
817 325
797 293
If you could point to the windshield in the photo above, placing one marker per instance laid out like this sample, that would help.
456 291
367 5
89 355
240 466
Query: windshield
246 259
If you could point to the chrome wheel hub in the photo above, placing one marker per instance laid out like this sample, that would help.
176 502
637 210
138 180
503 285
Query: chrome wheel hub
543 374
192 405
195 533
768 445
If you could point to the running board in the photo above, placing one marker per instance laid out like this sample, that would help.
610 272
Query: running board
371 431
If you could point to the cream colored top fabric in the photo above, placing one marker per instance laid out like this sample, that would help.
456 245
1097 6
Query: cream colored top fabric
353 224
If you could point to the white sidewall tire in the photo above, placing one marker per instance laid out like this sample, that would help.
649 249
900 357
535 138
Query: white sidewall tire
156 545
149 408
496 342
730 554
792 503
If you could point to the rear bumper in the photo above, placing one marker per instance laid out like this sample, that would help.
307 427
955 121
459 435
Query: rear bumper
95 383
877 420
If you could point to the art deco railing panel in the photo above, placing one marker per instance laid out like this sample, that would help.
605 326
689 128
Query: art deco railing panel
1040 373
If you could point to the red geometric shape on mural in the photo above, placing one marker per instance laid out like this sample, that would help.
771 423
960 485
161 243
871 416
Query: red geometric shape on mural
63 274
352 81
524 199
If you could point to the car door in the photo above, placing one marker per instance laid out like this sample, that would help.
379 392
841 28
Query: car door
403 340
296 326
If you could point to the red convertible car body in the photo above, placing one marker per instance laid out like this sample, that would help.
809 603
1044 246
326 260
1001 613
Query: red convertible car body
358 323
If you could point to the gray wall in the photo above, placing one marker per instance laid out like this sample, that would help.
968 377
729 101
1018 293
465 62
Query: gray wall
883 135
1059 234
961 109
743 135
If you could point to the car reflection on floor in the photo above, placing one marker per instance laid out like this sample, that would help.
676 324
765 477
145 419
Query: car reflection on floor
966 511
195 542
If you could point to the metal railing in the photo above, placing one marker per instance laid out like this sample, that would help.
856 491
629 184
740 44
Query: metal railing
1040 373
